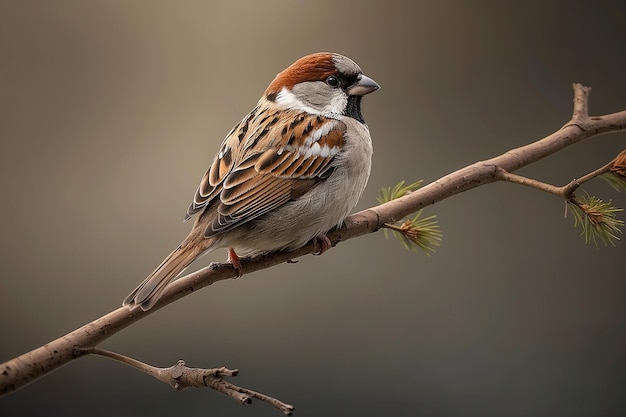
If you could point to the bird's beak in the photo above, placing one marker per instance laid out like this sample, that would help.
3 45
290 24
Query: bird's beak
363 85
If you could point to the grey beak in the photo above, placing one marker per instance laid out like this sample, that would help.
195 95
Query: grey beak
363 85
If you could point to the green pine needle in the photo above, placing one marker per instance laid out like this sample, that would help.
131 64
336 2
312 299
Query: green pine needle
597 220
418 234
385 195
414 234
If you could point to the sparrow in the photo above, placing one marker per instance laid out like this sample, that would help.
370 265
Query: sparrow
289 172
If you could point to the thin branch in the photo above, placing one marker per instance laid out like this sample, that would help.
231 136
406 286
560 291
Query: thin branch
181 377
400 229
594 216
596 173
20 371
566 191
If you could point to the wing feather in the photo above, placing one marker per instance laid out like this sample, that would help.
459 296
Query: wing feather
267 160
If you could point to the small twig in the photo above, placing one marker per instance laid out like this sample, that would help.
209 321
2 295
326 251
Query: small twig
596 173
563 192
181 377
401 229
566 191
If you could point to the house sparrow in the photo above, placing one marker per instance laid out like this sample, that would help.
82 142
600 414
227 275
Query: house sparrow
291 170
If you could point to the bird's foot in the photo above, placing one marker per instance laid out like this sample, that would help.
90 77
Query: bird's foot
321 244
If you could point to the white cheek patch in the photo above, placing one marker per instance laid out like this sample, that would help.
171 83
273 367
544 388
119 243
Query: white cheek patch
287 99
332 107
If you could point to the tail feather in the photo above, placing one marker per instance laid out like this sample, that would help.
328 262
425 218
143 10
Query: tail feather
150 290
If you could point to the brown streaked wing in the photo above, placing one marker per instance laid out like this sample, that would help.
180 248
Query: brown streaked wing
223 163
252 206
298 155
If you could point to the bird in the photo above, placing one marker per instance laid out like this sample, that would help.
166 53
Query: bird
291 170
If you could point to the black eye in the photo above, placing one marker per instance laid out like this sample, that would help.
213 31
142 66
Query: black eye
332 81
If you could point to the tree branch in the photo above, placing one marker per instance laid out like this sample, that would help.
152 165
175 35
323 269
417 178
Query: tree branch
566 191
20 371
181 377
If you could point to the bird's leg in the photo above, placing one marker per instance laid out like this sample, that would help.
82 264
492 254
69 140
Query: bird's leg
233 259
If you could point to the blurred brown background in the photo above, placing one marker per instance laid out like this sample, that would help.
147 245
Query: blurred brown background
110 112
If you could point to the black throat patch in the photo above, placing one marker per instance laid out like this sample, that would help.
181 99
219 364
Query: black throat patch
353 108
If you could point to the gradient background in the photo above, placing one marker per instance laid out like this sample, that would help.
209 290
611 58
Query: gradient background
112 110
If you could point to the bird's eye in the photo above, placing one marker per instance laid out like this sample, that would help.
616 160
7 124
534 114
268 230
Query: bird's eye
332 81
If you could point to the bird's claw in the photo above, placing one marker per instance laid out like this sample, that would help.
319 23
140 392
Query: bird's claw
321 244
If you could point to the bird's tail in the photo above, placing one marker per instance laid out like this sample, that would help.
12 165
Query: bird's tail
150 290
